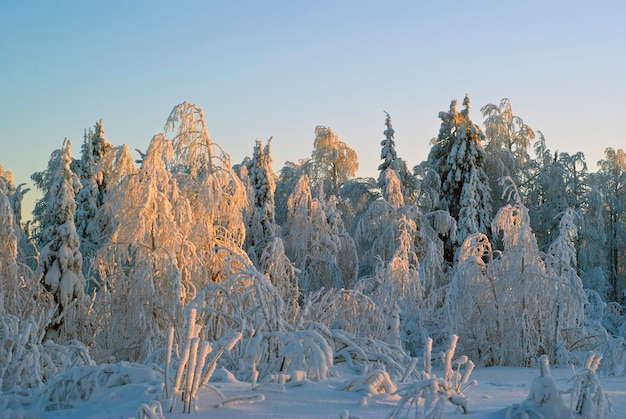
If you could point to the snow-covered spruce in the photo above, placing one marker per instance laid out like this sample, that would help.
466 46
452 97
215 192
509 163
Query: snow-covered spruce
60 260
90 198
390 161
459 158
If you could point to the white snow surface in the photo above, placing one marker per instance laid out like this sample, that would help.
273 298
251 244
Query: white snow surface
497 389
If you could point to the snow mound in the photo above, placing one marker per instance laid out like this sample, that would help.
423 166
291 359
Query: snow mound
104 390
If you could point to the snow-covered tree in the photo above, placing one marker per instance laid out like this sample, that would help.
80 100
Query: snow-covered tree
402 259
312 242
9 281
471 303
43 181
274 263
175 227
261 224
217 196
509 307
288 176
459 158
508 141
561 265
544 193
575 178
505 305
558 183
524 287
14 193
388 152
396 287
347 258
379 228
392 190
612 184
375 235
263 242
593 259
332 162
355 196
507 131
428 186
115 165
92 194
60 262
6 177
145 285
390 160
26 250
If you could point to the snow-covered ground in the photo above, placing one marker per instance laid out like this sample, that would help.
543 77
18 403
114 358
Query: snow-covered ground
497 389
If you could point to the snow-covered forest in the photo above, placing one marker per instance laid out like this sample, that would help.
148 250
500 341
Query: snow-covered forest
166 269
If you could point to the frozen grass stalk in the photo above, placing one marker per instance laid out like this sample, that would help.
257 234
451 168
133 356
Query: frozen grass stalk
191 367
203 351
168 360
184 359
428 355
446 357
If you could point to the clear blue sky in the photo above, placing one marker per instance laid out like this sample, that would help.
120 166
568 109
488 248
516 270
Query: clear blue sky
279 68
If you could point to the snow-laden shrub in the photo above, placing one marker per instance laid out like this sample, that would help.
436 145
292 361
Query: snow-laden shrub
90 388
365 354
615 311
586 393
294 354
471 302
28 363
362 335
349 310
152 410
276 265
428 395
95 384
244 301
593 336
247 303
511 306
595 307
372 382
